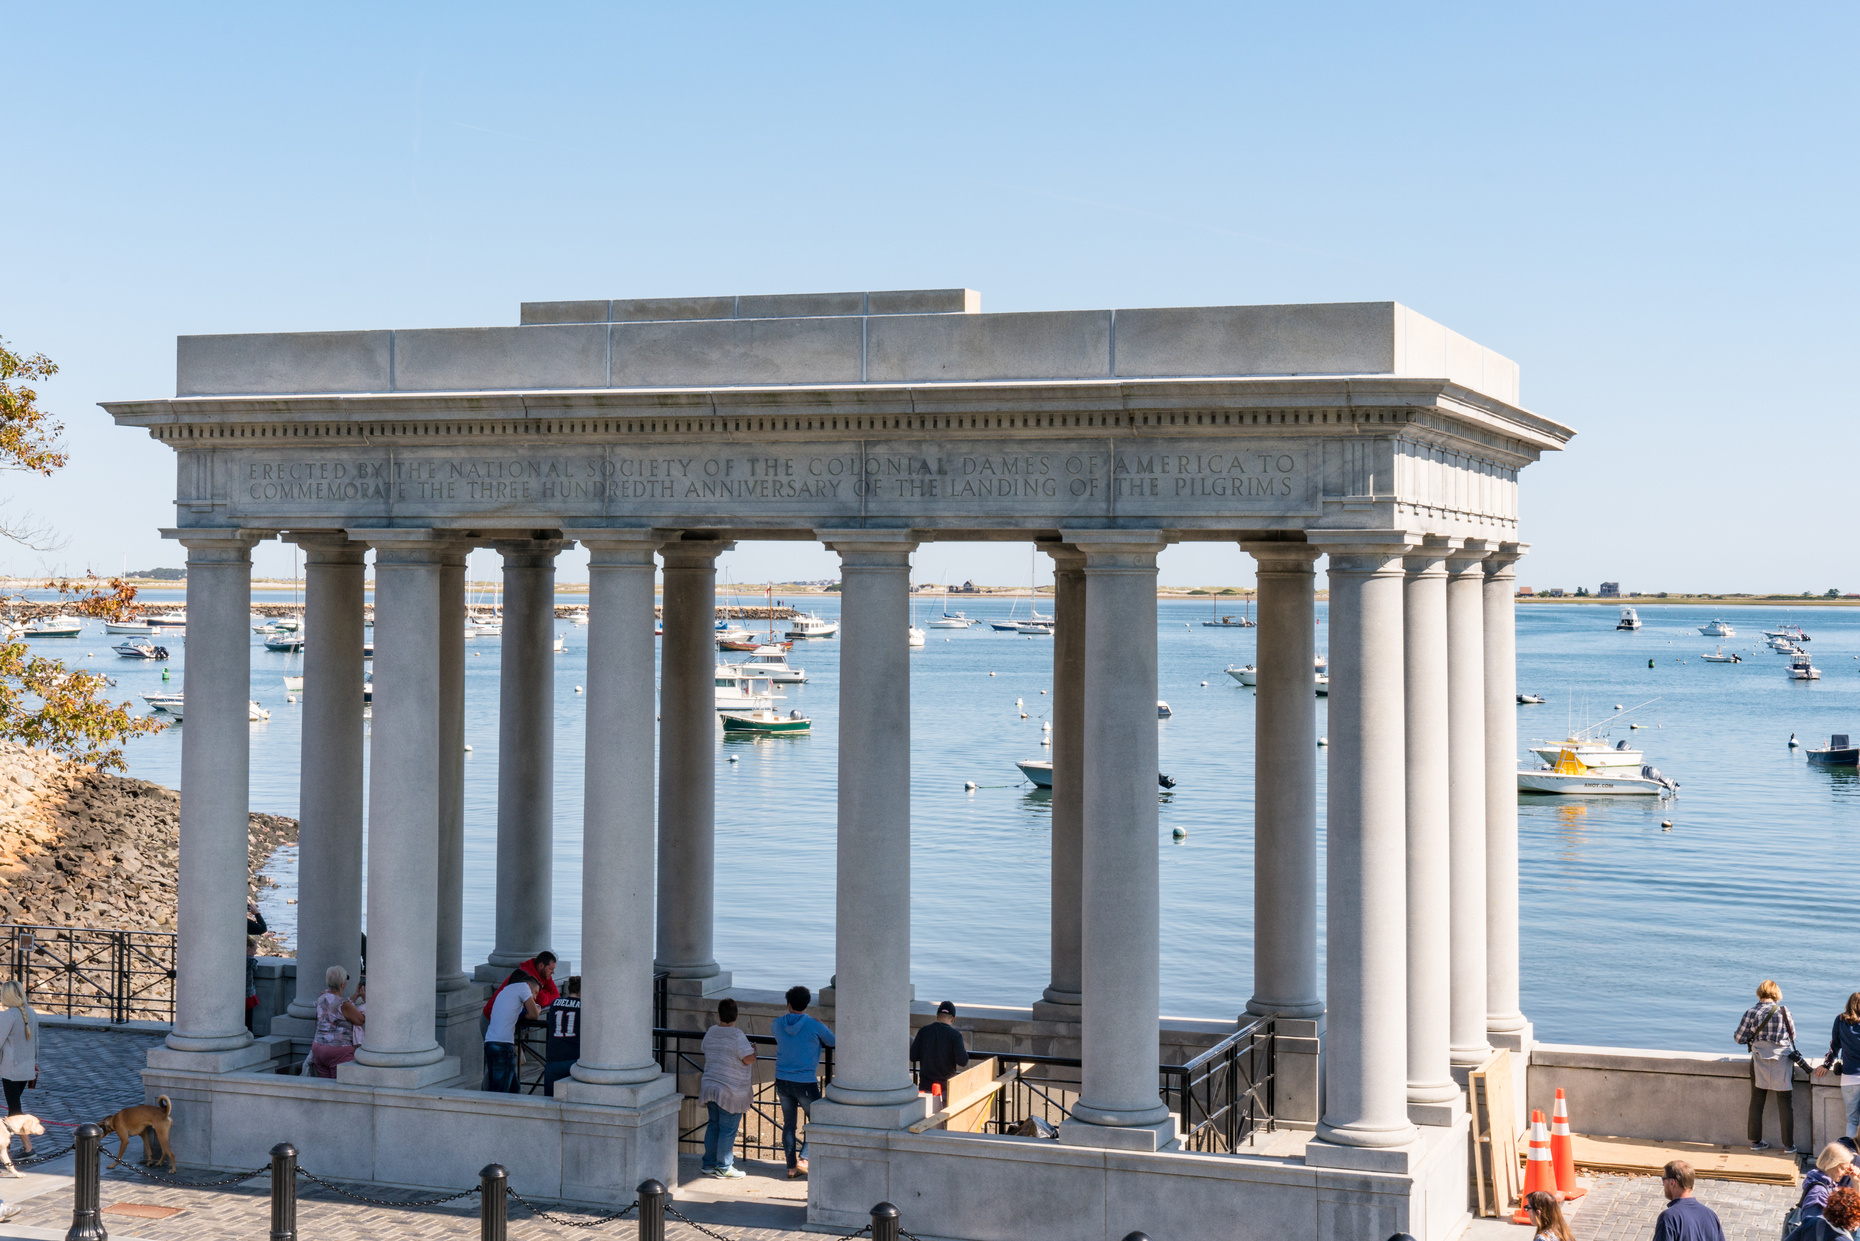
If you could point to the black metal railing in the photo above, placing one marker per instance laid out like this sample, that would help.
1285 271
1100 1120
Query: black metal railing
759 1134
1220 1098
84 972
1224 1095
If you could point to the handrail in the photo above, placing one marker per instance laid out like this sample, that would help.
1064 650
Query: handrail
1250 1031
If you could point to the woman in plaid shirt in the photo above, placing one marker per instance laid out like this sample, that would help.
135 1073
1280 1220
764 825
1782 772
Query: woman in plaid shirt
1769 1031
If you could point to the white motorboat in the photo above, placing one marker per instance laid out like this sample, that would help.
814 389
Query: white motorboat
285 642
915 636
1719 657
141 650
771 661
1323 685
138 628
1039 771
737 638
1569 775
1801 670
578 618
811 625
1530 700
169 620
491 627
557 647
163 702
1718 629
254 713
294 685
1249 675
1783 646
1163 710
55 627
283 624
1792 632
1592 753
1630 620
741 690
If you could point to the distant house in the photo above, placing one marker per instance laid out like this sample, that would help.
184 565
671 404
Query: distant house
1609 590
967 588
1555 592
1525 590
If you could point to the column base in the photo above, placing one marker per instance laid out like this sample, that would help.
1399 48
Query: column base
258 1051
299 1028
458 1027
1161 1136
1050 1010
869 1115
1517 1039
401 1077
1438 1113
713 984
1310 1010
639 1095
1404 1158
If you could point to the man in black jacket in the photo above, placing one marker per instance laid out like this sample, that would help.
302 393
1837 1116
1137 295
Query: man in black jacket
938 1051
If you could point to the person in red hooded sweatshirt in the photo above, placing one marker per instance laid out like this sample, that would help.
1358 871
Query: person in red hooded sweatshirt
529 989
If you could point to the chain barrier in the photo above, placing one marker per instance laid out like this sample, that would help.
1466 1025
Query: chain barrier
37 1157
565 1222
178 1183
382 1202
680 1216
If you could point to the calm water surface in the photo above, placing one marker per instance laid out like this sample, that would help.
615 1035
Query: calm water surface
1633 934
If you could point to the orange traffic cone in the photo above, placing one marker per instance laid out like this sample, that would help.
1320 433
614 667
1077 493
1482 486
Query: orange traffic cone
1537 1173
1563 1150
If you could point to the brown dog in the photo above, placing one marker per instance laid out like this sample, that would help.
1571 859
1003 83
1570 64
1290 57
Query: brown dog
136 1122
21 1126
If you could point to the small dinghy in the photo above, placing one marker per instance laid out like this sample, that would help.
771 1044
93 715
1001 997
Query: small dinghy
1530 700
1719 657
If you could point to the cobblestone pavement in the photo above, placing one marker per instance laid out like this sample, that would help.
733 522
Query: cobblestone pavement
1623 1208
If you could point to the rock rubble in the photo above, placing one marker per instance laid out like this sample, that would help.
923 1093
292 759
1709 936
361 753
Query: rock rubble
78 848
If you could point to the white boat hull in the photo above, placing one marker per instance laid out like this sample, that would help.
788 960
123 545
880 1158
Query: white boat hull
1587 784
1041 773
1596 760
1248 675
131 627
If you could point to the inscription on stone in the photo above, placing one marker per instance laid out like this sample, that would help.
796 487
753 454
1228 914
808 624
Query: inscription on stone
933 481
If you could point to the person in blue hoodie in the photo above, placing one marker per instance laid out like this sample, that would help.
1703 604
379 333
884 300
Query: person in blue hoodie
798 1041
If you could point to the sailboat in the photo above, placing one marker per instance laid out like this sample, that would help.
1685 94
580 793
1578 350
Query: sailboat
949 619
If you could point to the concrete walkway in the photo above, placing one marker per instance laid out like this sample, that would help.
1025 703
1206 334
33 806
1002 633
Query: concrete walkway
89 1074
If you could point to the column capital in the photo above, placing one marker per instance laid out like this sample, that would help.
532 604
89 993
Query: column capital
1112 550
1502 562
1282 556
887 541
332 547
693 553
622 539
530 553
1066 557
218 543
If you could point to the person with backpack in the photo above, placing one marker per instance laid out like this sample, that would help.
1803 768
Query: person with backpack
1833 1168
1844 1045
1836 1222
1769 1031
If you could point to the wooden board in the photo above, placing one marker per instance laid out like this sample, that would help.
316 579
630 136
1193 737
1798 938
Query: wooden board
1644 1156
1495 1143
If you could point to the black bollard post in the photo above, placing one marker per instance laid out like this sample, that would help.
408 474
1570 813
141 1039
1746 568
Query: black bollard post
86 1204
493 1209
1138 1236
284 1192
651 1211
884 1222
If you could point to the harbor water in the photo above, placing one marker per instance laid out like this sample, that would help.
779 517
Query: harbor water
1634 933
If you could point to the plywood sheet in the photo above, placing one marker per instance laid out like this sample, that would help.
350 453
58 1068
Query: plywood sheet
1495 1143
1644 1156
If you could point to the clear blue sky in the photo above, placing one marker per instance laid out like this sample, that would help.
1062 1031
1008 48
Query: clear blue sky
1650 207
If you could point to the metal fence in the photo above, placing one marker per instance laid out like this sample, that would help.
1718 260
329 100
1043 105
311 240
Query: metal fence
82 972
759 1135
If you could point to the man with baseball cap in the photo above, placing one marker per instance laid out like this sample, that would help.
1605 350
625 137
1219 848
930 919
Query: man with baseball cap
939 1052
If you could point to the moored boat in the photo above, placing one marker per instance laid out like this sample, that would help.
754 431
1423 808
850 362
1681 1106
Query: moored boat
1839 752
739 689
766 722
55 627
771 660
293 641
811 625
1801 670
1719 657
137 627
141 650
1630 620
1569 776
1717 629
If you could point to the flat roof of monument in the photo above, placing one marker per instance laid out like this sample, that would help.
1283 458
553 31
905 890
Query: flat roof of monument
897 337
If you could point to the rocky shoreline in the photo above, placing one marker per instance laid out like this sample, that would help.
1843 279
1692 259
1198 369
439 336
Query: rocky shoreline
83 849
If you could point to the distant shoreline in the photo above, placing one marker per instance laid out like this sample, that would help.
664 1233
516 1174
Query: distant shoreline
1716 601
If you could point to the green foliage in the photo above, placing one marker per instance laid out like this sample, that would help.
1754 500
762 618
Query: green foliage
42 702
1832 594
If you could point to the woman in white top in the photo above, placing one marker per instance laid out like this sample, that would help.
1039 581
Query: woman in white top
19 1048
338 1025
725 1091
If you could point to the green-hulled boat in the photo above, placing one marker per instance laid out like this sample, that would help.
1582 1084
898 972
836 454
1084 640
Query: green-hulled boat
765 722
